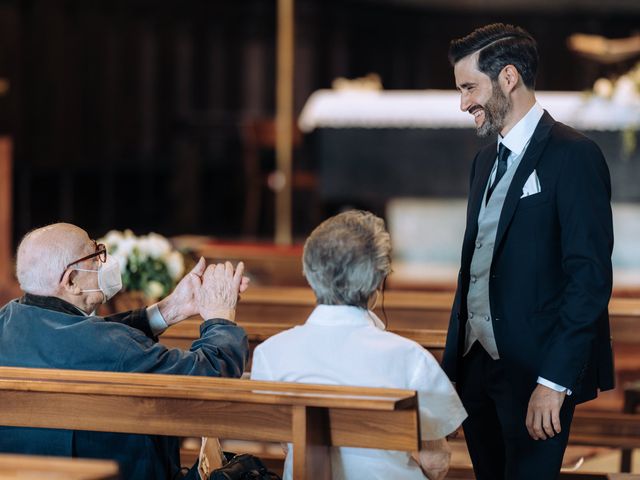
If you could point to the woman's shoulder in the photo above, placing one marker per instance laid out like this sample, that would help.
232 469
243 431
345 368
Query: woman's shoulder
285 336
395 341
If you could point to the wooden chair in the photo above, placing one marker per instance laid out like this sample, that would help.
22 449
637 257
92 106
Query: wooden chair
311 417
259 138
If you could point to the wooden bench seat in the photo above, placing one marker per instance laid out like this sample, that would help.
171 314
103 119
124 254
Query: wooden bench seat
312 417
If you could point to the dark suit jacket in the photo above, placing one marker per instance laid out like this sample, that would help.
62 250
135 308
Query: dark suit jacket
550 277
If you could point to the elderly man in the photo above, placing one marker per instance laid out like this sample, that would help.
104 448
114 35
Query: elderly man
65 275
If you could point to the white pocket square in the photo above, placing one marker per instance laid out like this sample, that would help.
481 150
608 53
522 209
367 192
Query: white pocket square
531 186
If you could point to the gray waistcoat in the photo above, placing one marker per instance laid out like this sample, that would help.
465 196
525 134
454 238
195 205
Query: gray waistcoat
480 326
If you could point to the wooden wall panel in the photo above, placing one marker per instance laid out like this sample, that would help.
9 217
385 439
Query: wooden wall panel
6 209
126 113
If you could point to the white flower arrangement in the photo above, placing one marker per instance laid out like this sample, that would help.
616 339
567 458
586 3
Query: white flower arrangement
148 263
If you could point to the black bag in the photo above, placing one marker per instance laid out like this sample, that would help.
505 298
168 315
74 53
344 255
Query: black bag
243 467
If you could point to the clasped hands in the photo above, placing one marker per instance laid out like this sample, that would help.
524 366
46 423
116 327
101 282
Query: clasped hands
209 291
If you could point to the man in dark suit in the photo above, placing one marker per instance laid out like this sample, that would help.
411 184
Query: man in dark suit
529 332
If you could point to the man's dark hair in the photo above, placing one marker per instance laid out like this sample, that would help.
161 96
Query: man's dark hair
499 45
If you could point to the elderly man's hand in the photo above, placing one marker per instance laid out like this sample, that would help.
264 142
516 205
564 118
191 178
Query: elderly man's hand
183 301
218 295
543 413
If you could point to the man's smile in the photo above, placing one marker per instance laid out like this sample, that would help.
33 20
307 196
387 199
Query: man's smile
478 113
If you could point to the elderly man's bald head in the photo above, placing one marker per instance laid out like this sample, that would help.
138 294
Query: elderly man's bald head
44 253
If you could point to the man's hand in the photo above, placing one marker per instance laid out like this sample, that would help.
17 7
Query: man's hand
543 414
183 301
218 296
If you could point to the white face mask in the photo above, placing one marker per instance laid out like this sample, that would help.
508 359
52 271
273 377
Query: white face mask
109 278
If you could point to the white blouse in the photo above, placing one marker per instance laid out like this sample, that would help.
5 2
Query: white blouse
344 345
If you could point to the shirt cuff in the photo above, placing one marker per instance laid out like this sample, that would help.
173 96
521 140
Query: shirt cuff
553 386
156 320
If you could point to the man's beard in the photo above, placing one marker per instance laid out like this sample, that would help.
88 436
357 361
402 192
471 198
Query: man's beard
495 111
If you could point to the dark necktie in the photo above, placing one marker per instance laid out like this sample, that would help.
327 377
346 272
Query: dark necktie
503 154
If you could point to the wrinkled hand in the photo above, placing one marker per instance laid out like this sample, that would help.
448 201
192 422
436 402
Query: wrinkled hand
543 413
183 301
434 458
218 294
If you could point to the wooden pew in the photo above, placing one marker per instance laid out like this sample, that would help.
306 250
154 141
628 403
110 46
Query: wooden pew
607 429
405 309
274 265
266 264
312 417
29 467
421 316
184 333
466 473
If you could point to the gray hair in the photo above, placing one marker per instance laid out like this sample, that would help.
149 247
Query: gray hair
43 255
347 257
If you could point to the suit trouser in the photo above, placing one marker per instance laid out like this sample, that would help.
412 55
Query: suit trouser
495 431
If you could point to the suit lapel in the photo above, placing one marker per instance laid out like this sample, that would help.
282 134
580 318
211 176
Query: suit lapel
526 167
476 196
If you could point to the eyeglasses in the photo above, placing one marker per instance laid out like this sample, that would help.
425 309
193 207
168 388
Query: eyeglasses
100 252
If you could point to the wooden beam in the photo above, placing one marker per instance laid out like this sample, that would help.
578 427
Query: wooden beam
6 196
284 119
310 431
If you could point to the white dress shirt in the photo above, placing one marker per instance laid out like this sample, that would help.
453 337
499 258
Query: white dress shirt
344 345
518 138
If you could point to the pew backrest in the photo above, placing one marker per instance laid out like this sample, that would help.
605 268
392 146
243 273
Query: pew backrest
312 417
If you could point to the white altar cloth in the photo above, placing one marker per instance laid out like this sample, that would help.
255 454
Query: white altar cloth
441 109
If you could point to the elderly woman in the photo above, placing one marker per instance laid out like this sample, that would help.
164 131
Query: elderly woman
346 260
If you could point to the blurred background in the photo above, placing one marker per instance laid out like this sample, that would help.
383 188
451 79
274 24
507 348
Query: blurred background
235 126
159 115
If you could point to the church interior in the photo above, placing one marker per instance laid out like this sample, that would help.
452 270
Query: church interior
234 128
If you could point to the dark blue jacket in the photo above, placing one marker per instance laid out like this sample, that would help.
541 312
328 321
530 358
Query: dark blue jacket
551 277
47 332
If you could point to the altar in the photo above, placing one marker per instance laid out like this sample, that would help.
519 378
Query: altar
407 154
371 146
